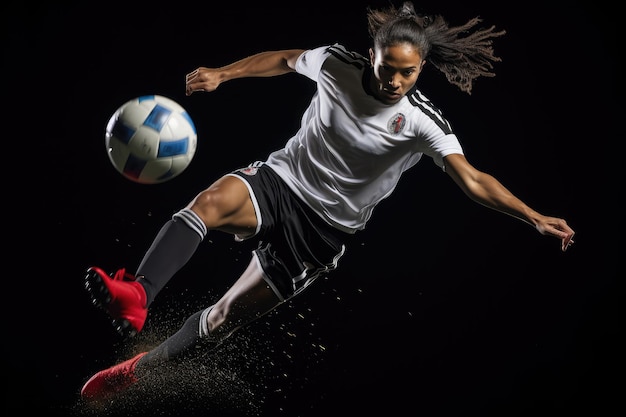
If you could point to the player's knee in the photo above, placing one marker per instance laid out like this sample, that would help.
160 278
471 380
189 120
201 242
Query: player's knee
215 208
213 323
207 206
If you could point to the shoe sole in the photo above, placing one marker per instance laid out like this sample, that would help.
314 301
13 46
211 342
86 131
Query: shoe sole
101 297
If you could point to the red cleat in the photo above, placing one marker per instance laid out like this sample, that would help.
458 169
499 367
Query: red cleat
121 296
111 381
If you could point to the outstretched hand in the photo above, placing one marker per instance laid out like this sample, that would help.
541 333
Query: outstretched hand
202 79
552 226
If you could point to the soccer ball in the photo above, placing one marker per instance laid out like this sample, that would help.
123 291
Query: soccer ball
150 139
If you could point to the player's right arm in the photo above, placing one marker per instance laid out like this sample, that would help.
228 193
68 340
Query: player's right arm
264 64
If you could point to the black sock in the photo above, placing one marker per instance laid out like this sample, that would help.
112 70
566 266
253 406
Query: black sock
178 346
176 242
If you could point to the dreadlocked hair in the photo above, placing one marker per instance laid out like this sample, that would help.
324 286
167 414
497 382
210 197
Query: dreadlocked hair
462 53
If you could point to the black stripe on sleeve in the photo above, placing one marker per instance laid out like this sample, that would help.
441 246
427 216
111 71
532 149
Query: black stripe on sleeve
419 100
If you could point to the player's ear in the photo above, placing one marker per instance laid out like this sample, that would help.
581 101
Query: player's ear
371 57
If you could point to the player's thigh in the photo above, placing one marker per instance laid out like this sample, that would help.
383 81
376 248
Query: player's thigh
226 205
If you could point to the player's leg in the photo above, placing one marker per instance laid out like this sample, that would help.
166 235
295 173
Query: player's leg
247 300
225 205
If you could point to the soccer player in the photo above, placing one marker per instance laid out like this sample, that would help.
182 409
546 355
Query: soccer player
365 126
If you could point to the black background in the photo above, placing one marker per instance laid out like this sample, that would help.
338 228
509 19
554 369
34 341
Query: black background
440 307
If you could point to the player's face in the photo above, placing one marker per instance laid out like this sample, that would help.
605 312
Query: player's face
396 69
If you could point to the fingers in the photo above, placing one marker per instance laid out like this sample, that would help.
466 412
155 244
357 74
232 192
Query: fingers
190 81
201 79
562 230
567 242
192 75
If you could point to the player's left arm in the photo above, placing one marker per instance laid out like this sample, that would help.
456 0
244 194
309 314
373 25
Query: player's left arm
488 191
262 64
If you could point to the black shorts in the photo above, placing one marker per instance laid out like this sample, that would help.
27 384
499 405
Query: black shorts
296 246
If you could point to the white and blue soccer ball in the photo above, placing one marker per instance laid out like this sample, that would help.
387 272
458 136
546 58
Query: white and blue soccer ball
151 139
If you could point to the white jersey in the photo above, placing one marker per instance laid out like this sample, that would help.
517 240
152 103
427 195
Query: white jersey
351 148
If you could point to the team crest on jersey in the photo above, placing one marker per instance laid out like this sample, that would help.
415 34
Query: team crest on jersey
396 124
249 170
